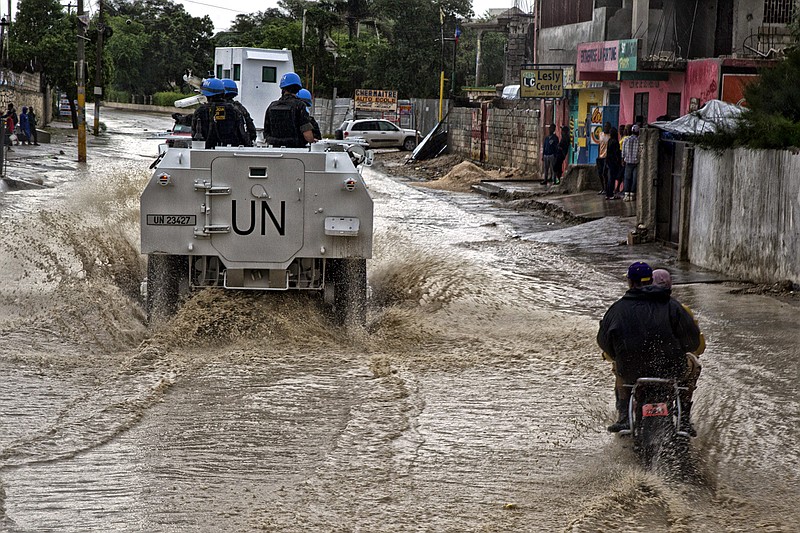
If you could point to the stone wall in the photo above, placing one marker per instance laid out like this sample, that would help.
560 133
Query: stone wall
24 90
745 214
510 137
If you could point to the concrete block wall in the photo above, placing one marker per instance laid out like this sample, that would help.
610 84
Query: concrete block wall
426 113
512 137
745 214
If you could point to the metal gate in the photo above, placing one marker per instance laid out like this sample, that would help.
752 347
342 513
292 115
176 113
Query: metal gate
671 168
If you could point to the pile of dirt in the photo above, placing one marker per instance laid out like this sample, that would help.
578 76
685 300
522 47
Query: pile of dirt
461 178
465 174
450 172
399 163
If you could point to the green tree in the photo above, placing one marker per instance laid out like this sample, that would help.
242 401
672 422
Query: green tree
154 42
44 34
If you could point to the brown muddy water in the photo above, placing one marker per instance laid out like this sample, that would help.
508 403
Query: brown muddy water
475 401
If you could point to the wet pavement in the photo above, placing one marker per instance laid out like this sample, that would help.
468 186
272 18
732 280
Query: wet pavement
581 206
475 401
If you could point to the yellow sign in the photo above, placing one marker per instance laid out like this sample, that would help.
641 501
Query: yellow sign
541 83
375 100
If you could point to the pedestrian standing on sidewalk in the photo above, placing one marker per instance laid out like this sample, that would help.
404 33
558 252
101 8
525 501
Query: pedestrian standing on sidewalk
10 121
549 151
613 163
602 151
561 155
33 123
630 154
25 127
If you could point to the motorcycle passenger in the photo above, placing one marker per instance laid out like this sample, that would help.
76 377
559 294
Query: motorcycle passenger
286 121
305 96
662 278
231 91
646 333
218 122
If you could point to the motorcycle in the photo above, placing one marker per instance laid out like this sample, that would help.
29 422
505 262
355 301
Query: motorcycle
657 428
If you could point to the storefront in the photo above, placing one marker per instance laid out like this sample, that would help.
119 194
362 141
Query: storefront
600 64
652 99
584 98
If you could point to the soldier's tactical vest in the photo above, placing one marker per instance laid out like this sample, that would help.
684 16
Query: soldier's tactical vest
225 119
283 120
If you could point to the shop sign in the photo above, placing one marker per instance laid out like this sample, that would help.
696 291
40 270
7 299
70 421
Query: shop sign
572 84
375 100
628 54
541 83
608 56
596 124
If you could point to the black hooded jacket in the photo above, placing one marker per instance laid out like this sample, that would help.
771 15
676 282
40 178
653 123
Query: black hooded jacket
648 333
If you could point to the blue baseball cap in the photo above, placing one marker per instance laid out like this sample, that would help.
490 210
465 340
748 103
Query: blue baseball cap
640 271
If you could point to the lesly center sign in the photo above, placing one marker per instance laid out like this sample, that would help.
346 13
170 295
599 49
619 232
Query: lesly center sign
541 83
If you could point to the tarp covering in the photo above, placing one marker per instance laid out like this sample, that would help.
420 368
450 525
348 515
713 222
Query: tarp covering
710 118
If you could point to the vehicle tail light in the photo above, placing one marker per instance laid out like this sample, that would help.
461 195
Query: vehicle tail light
346 134
350 184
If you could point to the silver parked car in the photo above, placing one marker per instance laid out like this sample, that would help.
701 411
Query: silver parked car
378 133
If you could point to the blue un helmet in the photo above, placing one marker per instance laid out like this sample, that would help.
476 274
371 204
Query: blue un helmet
212 87
231 89
305 96
289 79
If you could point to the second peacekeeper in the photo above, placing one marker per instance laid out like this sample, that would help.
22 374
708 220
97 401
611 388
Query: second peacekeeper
286 122
231 91
305 96
220 123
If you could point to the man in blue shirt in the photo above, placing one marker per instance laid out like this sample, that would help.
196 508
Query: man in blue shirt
549 152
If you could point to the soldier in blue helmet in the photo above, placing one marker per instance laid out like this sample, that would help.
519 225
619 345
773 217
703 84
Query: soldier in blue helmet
231 91
286 121
217 122
305 96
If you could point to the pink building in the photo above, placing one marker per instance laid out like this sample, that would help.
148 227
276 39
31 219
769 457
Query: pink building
651 99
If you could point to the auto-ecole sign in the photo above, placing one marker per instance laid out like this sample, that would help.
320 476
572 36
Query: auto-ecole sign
375 100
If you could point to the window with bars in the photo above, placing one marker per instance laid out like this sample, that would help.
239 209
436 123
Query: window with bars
778 11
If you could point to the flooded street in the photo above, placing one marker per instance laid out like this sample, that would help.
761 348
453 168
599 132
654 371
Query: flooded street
476 400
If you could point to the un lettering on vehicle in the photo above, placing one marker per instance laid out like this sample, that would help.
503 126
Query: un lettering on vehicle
260 218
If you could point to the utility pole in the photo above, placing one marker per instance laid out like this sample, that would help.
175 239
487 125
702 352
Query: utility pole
98 71
82 20
441 64
456 35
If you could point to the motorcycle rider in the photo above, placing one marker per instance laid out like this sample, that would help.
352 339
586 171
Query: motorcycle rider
646 333
218 122
305 96
231 91
286 121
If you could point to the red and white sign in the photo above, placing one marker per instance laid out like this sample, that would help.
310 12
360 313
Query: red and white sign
600 56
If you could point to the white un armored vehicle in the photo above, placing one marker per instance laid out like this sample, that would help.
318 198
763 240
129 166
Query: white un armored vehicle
261 219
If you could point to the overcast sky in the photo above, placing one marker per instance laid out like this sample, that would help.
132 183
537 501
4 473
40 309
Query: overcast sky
223 13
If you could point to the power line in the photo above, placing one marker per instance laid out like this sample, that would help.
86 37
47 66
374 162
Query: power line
211 5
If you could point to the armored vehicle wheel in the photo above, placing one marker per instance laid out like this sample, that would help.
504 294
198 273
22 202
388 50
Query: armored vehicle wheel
164 276
409 144
349 278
